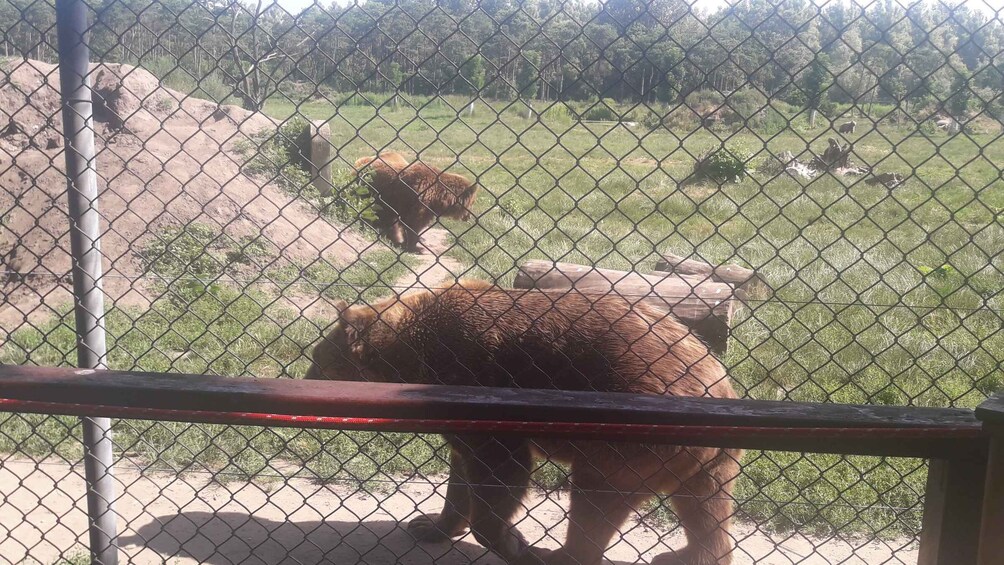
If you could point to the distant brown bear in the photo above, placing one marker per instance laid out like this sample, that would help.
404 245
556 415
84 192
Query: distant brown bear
847 127
475 334
410 196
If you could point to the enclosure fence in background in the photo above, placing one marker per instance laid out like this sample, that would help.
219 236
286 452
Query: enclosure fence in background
813 190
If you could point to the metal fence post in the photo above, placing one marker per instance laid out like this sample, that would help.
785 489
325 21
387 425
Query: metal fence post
82 193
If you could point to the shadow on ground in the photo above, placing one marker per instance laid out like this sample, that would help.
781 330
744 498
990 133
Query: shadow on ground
229 538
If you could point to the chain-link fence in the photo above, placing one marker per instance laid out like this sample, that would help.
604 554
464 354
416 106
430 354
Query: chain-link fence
813 190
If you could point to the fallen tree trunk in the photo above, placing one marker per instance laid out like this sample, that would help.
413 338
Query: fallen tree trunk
705 306
836 156
746 280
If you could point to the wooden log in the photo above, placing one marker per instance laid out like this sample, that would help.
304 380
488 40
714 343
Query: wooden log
705 306
741 278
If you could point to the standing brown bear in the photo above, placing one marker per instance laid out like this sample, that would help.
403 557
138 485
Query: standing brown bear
473 333
410 196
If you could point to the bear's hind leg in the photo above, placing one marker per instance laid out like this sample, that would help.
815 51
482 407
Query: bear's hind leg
704 506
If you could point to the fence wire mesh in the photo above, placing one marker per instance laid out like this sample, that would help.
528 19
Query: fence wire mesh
831 171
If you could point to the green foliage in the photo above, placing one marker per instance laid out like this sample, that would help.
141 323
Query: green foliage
704 101
473 73
193 249
353 197
602 111
652 117
558 112
722 165
211 86
75 558
395 76
746 105
363 99
277 157
816 82
958 103
780 50
198 250
941 271
528 76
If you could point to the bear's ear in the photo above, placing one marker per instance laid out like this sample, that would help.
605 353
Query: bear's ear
341 306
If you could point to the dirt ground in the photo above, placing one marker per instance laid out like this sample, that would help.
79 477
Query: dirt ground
164 159
166 518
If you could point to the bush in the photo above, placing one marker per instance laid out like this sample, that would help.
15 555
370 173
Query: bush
653 118
277 158
602 111
704 101
558 112
352 198
682 119
777 118
746 105
995 108
721 165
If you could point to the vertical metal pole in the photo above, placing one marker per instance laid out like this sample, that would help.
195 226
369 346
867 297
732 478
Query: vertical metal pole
85 232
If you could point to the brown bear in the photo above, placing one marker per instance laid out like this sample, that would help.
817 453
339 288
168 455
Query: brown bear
392 159
473 333
410 196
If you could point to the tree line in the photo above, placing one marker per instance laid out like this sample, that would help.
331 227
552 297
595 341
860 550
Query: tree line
926 55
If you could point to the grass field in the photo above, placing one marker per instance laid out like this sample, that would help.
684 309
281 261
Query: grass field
863 310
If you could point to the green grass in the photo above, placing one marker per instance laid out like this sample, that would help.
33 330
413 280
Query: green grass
863 309
205 322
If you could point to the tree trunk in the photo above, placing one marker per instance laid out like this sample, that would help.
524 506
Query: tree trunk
812 118
744 280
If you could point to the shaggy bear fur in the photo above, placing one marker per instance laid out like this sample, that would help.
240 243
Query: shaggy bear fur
473 333
392 159
410 196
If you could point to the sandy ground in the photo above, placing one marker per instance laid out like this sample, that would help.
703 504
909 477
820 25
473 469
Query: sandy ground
174 161
166 518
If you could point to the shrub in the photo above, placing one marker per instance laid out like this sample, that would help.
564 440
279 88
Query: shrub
184 250
721 165
352 198
745 105
704 101
276 157
653 118
602 111
558 112
682 119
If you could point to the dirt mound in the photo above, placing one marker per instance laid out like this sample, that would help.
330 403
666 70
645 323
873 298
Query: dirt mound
163 159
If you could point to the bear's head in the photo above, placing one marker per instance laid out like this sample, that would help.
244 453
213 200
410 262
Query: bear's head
364 342
346 353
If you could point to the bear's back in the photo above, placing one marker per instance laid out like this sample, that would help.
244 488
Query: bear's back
565 341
